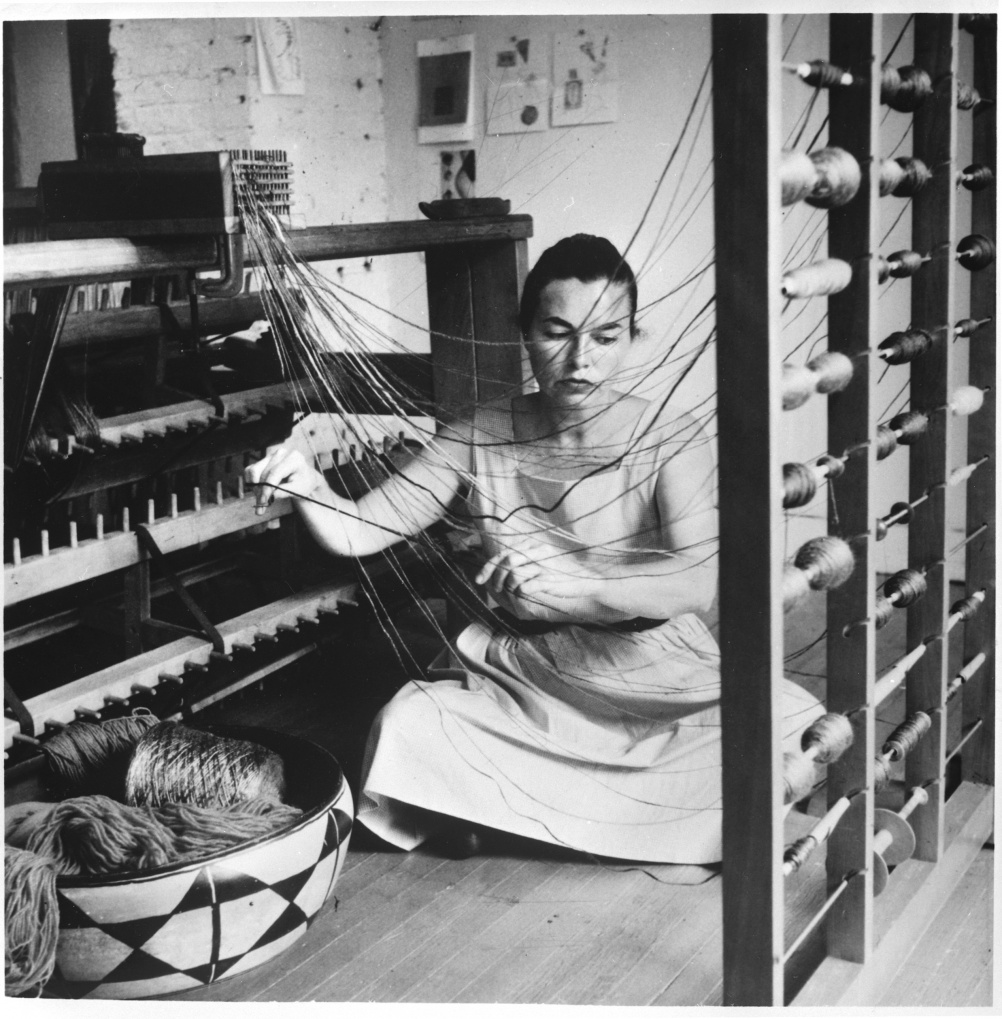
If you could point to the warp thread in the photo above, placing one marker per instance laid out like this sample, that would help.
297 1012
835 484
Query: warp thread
172 763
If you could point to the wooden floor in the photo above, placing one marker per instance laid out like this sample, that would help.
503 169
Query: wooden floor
532 924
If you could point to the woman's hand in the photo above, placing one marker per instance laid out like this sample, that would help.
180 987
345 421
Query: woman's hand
283 474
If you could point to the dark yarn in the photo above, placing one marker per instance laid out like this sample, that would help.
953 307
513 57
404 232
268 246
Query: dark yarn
967 96
977 177
200 831
887 442
92 757
821 74
31 921
903 347
905 587
800 485
834 465
967 608
910 426
175 764
975 252
905 89
905 737
969 326
883 612
916 176
900 265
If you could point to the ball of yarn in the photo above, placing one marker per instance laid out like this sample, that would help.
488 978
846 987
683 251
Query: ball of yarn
966 400
834 371
838 178
977 177
910 426
31 922
902 347
975 252
819 279
905 89
798 777
797 175
828 737
827 561
905 587
175 764
800 485
92 757
798 385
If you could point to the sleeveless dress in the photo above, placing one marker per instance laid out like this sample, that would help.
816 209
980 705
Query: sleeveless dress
593 737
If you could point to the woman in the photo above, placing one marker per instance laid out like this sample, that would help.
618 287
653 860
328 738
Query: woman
584 711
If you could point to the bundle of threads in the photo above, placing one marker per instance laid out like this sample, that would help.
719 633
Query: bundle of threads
140 794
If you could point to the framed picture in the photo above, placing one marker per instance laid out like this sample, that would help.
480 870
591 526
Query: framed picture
445 89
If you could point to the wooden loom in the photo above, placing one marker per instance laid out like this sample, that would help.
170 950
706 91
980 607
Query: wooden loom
865 937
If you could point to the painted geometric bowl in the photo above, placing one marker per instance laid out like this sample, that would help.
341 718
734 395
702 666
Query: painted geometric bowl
135 934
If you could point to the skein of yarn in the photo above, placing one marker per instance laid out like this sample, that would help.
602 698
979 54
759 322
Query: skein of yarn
175 764
31 921
92 757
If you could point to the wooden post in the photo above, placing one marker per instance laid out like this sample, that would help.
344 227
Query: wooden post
979 634
932 306
746 69
855 44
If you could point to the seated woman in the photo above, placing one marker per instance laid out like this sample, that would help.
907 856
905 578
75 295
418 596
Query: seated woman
584 711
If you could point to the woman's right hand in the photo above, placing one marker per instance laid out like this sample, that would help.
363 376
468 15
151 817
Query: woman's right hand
284 473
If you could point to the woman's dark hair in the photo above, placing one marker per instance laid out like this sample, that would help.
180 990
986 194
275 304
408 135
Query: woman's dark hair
582 257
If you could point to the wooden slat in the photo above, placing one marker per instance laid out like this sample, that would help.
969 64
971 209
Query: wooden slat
450 323
932 306
746 64
853 235
982 435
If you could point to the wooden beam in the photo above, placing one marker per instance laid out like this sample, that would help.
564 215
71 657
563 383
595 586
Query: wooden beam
932 307
855 42
747 143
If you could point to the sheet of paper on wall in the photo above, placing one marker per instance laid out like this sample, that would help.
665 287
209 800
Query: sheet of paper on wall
279 63
445 89
517 95
585 78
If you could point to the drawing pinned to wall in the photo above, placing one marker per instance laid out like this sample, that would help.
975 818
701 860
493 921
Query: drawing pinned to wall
279 66
585 78
519 100
445 89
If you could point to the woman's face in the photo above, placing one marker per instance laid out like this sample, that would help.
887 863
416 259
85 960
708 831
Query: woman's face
579 338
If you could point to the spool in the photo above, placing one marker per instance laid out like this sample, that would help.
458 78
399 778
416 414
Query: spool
905 587
975 252
900 265
820 279
834 466
798 777
838 178
969 326
800 485
976 177
896 845
821 74
910 426
827 738
798 175
967 96
903 177
798 384
905 89
901 513
977 24
821 564
905 737
833 369
966 608
966 400
902 347
883 612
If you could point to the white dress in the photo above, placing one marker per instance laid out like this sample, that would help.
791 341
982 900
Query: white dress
596 738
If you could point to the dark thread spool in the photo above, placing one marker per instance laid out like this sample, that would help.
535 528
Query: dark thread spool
900 265
975 252
797 853
905 587
834 465
901 513
887 442
903 177
977 24
967 96
977 177
798 777
828 562
969 326
966 608
821 74
883 612
838 178
905 346
827 738
800 485
905 89
174 764
903 740
798 175
910 426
